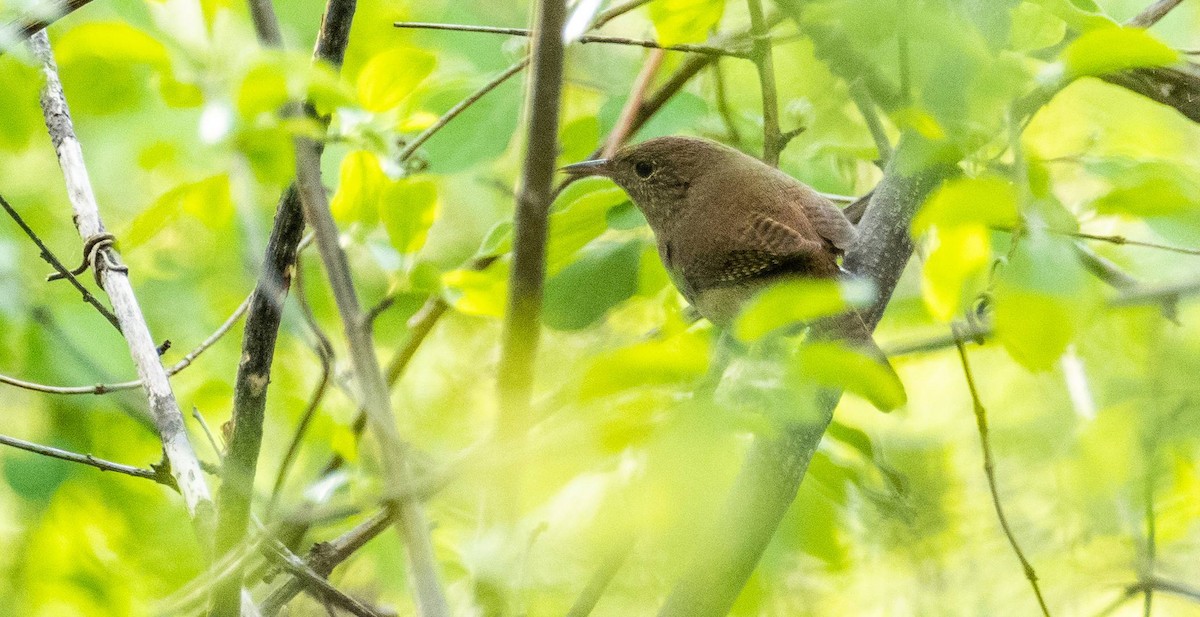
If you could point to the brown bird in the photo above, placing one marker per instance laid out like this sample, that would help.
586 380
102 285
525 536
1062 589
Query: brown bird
729 225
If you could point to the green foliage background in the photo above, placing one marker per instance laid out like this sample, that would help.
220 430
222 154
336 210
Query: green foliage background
1092 406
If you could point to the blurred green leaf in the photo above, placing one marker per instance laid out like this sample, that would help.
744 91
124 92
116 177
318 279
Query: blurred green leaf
677 360
270 152
476 292
685 21
799 301
837 366
986 200
605 275
578 223
264 89
408 209
360 185
1109 50
390 76
1147 188
1080 15
206 200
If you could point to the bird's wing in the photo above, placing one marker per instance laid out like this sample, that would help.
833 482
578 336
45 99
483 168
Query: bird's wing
771 248
830 223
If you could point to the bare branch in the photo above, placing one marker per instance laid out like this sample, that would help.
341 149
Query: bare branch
989 470
773 142
25 29
1153 13
314 582
115 281
587 38
637 94
158 475
266 311
54 262
522 320
136 383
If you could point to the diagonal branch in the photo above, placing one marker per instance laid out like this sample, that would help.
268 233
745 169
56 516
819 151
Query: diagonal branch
115 281
157 474
266 311
24 29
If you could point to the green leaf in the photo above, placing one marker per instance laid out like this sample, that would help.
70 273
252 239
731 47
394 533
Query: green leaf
1148 188
390 76
679 359
959 257
360 182
1080 15
1109 50
838 366
605 275
1034 27
685 21
798 301
115 41
486 125
264 89
207 200
986 200
408 209
475 292
578 223
270 151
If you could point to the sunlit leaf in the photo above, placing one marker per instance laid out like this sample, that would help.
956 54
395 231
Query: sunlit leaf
1148 188
799 301
264 89
685 21
1081 15
476 292
207 200
676 360
985 200
1109 50
578 223
390 76
959 255
360 184
408 208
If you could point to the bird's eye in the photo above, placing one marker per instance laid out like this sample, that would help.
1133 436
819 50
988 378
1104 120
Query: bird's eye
643 169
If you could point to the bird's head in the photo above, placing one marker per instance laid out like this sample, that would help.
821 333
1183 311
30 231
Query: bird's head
658 173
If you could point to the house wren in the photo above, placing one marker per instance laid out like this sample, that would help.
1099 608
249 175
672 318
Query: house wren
729 225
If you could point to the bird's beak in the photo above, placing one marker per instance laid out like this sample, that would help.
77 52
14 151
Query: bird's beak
594 167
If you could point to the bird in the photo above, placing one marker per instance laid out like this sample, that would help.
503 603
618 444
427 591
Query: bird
728 225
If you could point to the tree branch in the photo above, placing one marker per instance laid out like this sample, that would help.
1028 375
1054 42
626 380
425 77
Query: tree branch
159 475
266 311
776 465
115 281
773 141
587 38
1153 13
522 320
26 29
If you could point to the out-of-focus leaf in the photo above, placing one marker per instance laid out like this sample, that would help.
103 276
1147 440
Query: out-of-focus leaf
578 223
480 132
476 292
408 209
1147 188
264 89
1034 27
270 152
985 200
360 183
1081 15
207 200
685 21
1040 298
115 41
798 301
497 241
676 360
179 94
625 216
837 366
389 77
1108 50
605 275
579 139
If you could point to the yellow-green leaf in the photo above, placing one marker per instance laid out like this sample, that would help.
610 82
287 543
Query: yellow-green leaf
264 89
360 180
837 366
985 200
475 292
960 254
1034 327
798 301
391 76
1109 50
685 21
114 41
408 208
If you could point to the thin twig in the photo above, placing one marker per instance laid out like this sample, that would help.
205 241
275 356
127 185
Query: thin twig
1113 239
62 270
26 29
1153 13
324 350
157 475
587 38
314 582
102 388
734 136
866 107
989 469
773 141
115 282
623 129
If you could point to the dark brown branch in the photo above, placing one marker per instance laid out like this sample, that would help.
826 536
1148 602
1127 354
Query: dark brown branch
262 322
314 582
58 266
587 38
523 318
989 470
158 475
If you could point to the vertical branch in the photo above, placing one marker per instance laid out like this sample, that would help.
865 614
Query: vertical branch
263 319
760 52
989 469
114 279
624 127
522 322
